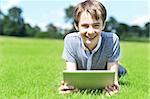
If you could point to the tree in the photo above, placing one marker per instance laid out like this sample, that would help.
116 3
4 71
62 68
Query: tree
7 26
31 31
53 31
147 29
1 22
15 14
135 31
111 25
123 30
14 23
69 13
69 17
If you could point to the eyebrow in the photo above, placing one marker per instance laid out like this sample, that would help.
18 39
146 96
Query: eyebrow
96 23
92 23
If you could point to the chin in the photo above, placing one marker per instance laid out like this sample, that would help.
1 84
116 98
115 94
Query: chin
89 42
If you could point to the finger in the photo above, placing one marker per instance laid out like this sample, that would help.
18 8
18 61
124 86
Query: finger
109 88
69 86
62 82
112 92
65 84
65 92
63 87
106 92
117 87
68 91
109 93
113 87
66 87
115 91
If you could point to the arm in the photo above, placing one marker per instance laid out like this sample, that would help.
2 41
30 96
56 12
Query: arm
114 56
112 64
114 67
71 66
69 56
64 87
112 89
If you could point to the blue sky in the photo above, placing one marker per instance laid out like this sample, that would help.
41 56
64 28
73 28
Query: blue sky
43 12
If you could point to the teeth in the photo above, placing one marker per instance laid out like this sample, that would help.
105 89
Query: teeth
92 37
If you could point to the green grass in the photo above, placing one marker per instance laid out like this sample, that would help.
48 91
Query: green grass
32 69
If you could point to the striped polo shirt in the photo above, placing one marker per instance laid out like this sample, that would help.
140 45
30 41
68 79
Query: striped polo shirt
106 51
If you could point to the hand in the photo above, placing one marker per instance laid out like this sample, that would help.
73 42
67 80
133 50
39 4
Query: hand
111 89
65 88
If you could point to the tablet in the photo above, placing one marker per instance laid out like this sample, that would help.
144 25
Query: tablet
89 79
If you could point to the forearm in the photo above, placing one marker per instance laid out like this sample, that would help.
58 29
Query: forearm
71 66
114 67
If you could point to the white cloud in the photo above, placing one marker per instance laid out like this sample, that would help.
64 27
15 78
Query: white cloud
141 20
9 3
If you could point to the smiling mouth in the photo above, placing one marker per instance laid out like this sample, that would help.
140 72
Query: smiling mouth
90 38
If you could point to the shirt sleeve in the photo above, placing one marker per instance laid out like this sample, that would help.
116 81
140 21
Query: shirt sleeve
68 52
115 50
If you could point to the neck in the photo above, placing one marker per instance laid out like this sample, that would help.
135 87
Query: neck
90 48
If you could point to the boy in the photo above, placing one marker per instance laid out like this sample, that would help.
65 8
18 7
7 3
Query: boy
91 48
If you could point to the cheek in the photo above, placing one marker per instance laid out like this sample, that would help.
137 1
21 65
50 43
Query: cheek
82 31
85 30
97 31
83 34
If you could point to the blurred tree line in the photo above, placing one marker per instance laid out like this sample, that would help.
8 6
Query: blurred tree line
13 24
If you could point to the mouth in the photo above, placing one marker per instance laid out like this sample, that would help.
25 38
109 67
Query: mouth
91 38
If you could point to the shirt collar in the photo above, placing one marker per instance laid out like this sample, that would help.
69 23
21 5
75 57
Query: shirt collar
96 48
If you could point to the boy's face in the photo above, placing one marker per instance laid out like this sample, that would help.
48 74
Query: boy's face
89 29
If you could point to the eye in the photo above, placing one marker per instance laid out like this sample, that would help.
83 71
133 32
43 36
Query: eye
85 25
96 25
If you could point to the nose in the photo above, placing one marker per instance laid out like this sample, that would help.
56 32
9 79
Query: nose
90 31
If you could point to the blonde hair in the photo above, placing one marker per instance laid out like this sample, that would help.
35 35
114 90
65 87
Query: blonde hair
95 8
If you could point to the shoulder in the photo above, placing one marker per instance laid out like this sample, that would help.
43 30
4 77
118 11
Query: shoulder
72 39
110 36
72 36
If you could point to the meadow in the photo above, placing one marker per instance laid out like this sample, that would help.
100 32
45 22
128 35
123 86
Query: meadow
32 69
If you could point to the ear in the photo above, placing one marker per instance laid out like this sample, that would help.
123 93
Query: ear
104 26
76 27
